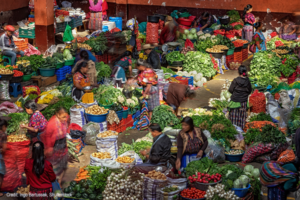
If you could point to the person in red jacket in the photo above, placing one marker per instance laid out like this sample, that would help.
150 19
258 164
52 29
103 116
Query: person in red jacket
168 34
39 173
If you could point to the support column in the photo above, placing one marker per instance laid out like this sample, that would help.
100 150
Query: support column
44 24
121 10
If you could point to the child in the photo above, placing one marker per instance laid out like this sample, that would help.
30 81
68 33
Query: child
3 139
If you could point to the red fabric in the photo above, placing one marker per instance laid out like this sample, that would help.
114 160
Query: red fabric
104 8
45 180
273 34
74 127
166 34
9 28
14 158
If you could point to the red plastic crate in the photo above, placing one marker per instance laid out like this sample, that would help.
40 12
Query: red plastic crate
238 57
229 59
244 54
102 58
111 58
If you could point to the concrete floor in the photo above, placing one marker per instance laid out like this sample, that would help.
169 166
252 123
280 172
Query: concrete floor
211 90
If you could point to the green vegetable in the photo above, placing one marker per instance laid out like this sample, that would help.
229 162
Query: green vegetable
98 44
82 190
35 61
65 102
290 65
107 95
204 165
67 190
234 15
77 188
81 182
92 196
174 56
15 121
164 116
73 183
78 195
294 121
85 196
167 70
238 27
89 191
136 147
103 71
261 117
99 197
271 44
170 189
251 134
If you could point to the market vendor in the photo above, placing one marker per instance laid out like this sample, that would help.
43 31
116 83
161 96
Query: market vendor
80 80
249 21
168 33
148 79
279 179
98 10
288 30
153 58
37 121
39 173
175 93
160 152
191 142
259 40
3 140
92 73
122 63
7 45
54 139
240 89
204 21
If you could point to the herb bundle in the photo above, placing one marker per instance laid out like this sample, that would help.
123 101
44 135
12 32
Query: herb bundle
164 116
261 117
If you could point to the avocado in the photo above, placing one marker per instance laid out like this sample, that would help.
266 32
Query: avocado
82 182
92 196
67 190
71 188
99 197
82 190
77 188
89 191
85 196
73 183
89 182
72 194
78 195
85 185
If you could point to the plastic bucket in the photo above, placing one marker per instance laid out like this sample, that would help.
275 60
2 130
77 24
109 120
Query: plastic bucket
106 107
125 114
95 118
27 77
241 192
117 20
120 114
47 72
234 158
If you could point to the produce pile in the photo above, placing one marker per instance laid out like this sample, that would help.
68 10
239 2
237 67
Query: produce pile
174 56
137 147
103 71
96 110
164 116
6 70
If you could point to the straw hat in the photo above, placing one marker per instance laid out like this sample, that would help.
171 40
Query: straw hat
147 46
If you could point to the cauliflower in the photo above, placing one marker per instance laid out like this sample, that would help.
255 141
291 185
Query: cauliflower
213 36
207 35
130 103
200 33
202 37
121 99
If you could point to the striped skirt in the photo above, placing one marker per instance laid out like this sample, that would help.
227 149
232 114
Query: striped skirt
238 116
95 22
41 194
247 33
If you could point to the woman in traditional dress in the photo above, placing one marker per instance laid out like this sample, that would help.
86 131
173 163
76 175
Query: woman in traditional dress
259 39
39 174
54 139
37 121
148 79
122 63
240 89
98 10
249 21
80 80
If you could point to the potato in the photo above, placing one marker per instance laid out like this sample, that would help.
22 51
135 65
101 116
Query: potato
96 110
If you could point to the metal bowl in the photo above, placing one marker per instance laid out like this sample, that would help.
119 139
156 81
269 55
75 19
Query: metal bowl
87 89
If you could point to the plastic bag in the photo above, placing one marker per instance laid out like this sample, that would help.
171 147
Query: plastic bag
169 195
285 100
77 116
108 144
286 156
131 154
152 188
215 152
4 91
255 150
180 182
279 148
152 33
109 162
272 107
75 134
91 129
258 101
68 34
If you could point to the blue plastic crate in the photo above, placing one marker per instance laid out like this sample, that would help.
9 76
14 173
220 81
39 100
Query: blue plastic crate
62 72
190 79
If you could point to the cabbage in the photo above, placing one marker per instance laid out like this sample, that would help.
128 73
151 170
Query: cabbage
248 168
255 173
197 77
244 180
186 31
199 84
69 57
195 36
228 172
184 36
204 80
190 36
66 52
237 184
167 129
193 31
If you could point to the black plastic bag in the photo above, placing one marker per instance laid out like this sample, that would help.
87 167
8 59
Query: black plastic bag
75 134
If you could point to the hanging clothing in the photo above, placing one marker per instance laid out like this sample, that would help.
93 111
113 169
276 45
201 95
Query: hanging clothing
3 139
260 38
54 139
95 22
37 121
83 80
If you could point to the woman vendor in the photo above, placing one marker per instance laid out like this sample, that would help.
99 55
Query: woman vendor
92 73
122 63
175 93
54 139
288 30
153 57
168 33
240 89
259 40
80 80
148 79
37 121
204 21
160 152
191 142
98 10
249 21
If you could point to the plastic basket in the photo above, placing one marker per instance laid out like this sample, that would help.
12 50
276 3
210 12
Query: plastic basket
59 65
245 54
102 58
6 77
47 72
238 57
125 113
62 72
120 114
96 118
241 192
216 55
230 52
17 79
190 80
69 62
204 186
106 107
234 158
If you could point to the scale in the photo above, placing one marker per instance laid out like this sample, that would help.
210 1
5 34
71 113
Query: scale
88 96
171 46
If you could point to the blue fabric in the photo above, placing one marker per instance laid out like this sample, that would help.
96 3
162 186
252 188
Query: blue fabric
186 159
56 188
91 56
2 165
120 74
263 44
13 55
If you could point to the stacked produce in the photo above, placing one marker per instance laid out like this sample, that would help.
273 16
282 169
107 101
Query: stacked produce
156 175
164 116
191 35
108 95
15 120
137 147
174 56
219 192
103 71
64 102
101 155
192 193
98 44
107 134
206 41
6 70
197 111
96 110
17 138
198 78
275 42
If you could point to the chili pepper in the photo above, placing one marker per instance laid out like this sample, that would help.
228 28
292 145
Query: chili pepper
192 193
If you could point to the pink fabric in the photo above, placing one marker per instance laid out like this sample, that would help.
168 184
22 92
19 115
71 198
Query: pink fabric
9 107
38 121
97 7
250 18
31 51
